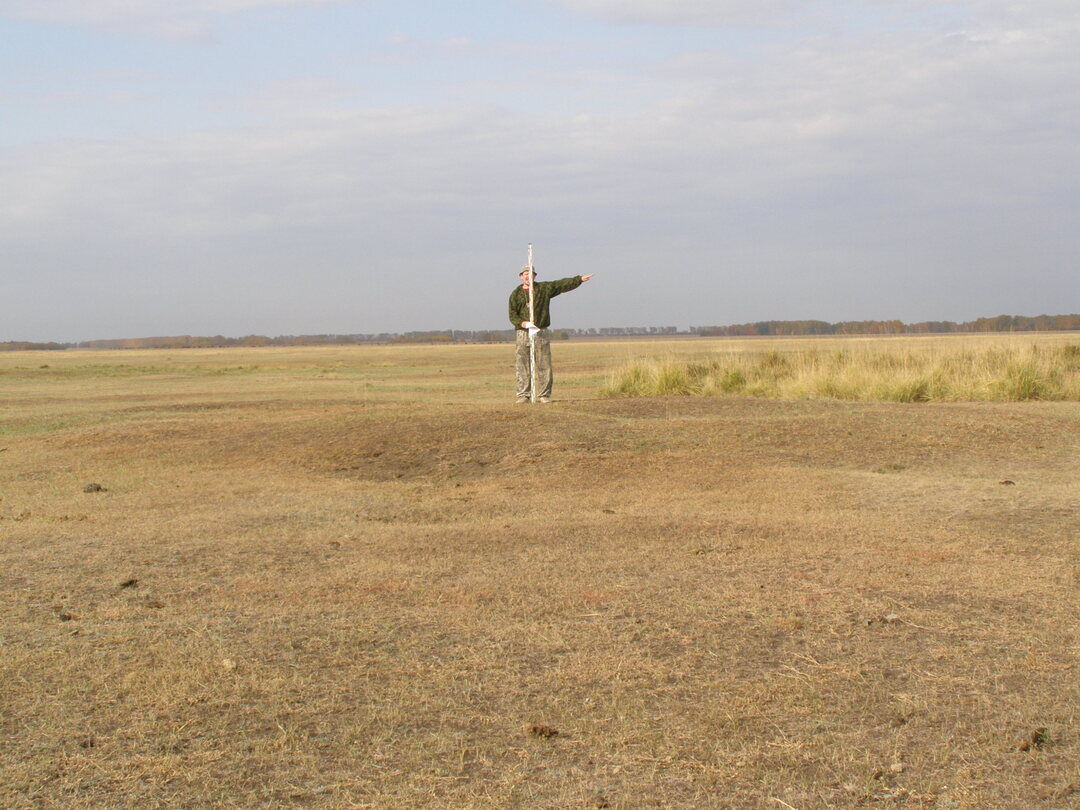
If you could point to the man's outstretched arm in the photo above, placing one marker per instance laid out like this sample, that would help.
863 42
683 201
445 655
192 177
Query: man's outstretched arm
567 284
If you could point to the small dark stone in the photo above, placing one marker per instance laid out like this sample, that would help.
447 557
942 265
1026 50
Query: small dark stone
547 732
1007 483
93 488
129 583
1036 739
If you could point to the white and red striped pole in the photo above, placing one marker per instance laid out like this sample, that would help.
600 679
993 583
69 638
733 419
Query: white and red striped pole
532 332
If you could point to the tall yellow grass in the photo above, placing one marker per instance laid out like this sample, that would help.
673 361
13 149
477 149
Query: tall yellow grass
870 373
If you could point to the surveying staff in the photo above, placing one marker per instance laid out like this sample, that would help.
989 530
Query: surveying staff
543 292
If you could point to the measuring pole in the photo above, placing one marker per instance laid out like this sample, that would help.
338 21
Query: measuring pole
532 333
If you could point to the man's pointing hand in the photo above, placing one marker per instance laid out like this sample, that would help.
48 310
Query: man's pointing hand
586 278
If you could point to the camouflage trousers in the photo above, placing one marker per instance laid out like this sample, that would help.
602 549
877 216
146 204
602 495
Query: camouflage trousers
523 366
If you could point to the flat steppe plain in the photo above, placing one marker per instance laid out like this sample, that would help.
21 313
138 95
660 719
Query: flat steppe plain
362 577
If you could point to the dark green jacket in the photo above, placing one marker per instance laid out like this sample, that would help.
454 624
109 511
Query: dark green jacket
543 292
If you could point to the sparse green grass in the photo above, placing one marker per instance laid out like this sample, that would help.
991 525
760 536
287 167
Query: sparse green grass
882 373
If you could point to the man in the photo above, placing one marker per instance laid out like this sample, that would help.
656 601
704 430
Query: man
543 292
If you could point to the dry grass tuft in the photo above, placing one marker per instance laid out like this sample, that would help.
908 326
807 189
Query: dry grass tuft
884 373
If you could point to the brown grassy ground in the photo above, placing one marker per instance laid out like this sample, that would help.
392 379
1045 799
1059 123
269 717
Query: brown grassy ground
361 577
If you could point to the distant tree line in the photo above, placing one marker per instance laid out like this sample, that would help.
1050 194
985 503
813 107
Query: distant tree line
25 345
622 331
1002 323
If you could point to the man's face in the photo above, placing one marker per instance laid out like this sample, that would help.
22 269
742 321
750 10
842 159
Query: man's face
526 278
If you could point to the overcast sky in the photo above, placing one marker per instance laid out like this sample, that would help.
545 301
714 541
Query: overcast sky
308 166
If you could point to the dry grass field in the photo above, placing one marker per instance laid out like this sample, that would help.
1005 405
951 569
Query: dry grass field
876 371
362 577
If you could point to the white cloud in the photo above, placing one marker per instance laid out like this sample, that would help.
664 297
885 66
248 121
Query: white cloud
814 114
773 12
166 18
846 178
687 12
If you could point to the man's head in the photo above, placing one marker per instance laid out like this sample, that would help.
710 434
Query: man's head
525 276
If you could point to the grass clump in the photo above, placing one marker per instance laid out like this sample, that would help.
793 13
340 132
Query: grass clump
880 374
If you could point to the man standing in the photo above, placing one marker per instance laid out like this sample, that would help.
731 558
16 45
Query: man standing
543 292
